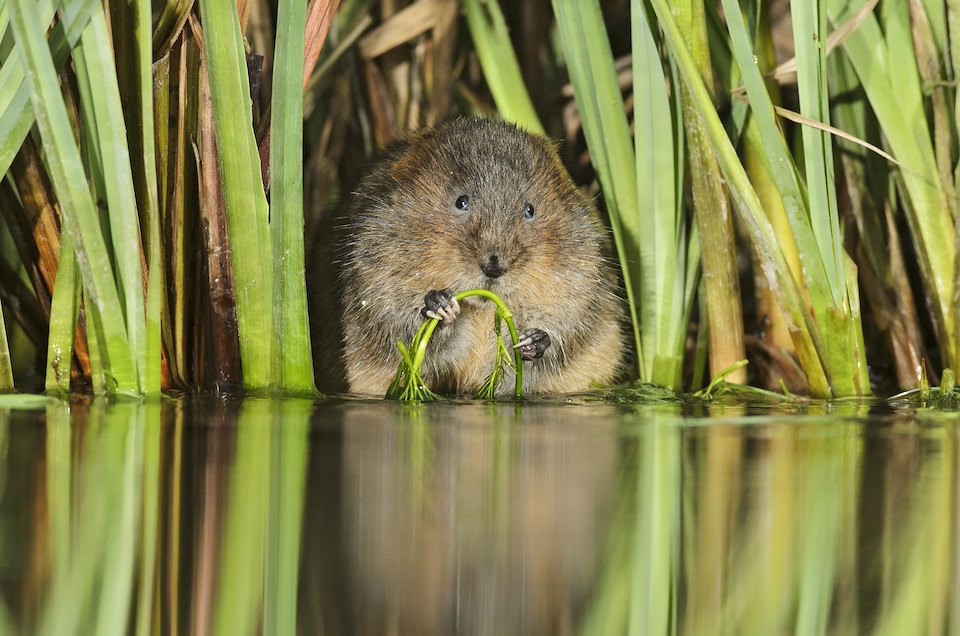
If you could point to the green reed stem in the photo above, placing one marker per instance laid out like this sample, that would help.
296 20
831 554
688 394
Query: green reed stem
491 39
80 215
107 139
589 58
244 198
293 363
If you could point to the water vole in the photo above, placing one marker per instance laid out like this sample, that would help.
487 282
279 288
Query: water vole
475 203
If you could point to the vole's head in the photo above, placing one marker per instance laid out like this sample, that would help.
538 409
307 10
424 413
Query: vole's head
491 206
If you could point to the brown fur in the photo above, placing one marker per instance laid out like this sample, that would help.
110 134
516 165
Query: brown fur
401 236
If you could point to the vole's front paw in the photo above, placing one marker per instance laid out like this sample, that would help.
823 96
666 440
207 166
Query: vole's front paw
442 305
532 343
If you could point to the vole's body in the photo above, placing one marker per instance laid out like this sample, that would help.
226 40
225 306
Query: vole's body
526 233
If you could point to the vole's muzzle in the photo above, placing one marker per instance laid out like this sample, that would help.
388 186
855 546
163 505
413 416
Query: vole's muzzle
493 267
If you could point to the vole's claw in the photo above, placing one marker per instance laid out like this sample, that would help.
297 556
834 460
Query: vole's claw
442 305
533 343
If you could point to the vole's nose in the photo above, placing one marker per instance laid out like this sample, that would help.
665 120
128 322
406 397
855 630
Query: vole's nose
493 267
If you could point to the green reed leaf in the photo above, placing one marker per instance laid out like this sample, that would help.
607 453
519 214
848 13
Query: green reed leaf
293 362
80 216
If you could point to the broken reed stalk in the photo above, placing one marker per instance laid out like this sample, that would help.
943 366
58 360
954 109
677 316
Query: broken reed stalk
6 370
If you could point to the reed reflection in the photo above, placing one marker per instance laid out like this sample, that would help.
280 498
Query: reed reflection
219 517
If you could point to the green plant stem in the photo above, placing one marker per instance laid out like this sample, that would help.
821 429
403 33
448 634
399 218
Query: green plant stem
107 139
885 62
499 62
774 264
589 58
16 111
243 544
80 216
141 122
711 205
668 249
427 328
148 550
948 380
293 362
243 195
288 473
777 332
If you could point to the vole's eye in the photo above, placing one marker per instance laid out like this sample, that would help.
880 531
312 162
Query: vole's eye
463 202
528 211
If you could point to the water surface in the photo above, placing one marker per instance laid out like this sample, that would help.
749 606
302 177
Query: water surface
365 517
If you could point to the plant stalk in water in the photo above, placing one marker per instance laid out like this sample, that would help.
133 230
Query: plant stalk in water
409 386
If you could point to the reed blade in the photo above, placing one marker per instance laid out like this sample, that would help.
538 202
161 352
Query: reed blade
100 97
885 62
242 550
711 206
809 33
70 183
16 111
663 225
288 475
590 63
131 28
775 266
495 51
293 359
244 198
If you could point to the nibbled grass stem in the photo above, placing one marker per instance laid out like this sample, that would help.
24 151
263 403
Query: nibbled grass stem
422 338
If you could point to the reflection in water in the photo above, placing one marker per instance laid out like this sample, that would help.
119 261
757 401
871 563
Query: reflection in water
282 517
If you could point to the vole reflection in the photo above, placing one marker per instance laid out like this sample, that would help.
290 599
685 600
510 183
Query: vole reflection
466 519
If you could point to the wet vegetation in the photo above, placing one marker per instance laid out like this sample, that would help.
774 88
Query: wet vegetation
779 177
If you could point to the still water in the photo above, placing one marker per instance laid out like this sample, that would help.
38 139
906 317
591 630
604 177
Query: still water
352 517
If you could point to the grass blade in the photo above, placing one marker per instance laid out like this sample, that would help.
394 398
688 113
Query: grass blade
774 264
70 184
123 445
809 29
815 227
131 28
16 112
244 198
499 61
148 548
663 226
16 115
96 70
224 369
288 473
590 63
780 162
885 62
242 550
293 362
711 206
